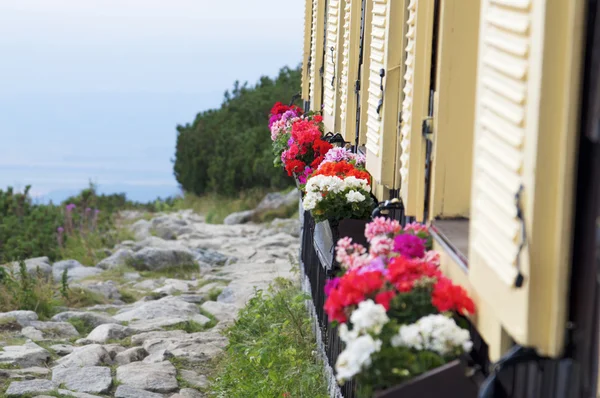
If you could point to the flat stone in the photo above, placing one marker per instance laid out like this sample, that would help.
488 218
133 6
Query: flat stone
118 259
109 331
33 372
38 330
158 356
156 377
195 346
154 259
77 274
133 354
91 379
27 355
168 307
192 298
90 355
188 393
193 378
90 318
148 284
125 391
162 335
62 349
23 318
227 295
108 289
37 386
221 311
77 394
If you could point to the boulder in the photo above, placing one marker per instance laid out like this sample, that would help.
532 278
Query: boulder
31 373
159 243
125 391
159 323
33 265
227 295
30 387
141 229
240 217
168 307
89 379
134 354
158 356
188 393
193 379
113 350
38 330
109 331
90 355
108 289
62 349
77 274
153 259
138 339
212 257
156 377
67 393
23 318
26 355
118 259
221 311
290 226
89 318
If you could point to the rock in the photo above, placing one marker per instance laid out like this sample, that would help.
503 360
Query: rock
90 355
210 286
211 257
74 394
108 289
221 311
192 298
77 274
33 372
109 331
134 354
27 355
32 265
188 393
169 228
125 391
59 266
141 229
38 386
155 377
113 350
90 379
62 349
159 323
173 285
38 330
154 259
278 200
131 276
240 217
158 356
168 307
194 379
89 318
196 346
23 318
227 295
117 259
156 242
171 334
148 284
276 241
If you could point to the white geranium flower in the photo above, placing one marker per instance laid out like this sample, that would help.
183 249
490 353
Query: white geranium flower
346 335
369 317
354 197
436 333
356 357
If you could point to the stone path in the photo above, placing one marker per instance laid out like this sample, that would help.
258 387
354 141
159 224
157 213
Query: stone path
161 345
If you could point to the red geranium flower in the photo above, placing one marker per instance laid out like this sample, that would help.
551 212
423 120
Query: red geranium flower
403 272
384 298
294 166
450 297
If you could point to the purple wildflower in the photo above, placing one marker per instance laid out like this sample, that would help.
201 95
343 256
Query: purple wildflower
409 245
60 230
290 142
71 207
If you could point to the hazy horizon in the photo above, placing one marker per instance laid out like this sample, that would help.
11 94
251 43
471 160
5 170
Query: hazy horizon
93 90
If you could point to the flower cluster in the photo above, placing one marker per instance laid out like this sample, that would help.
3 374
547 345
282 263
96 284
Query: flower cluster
306 148
279 110
334 197
394 304
343 154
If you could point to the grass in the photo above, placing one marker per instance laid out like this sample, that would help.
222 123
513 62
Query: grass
86 248
217 207
270 351
214 293
181 272
83 326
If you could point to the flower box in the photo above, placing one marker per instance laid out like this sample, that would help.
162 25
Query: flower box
327 233
448 381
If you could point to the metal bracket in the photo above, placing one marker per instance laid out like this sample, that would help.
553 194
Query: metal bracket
356 87
427 128
389 205
380 104
336 138
294 98
332 49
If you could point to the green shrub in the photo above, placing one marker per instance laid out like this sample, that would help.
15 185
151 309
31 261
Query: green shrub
270 351
228 150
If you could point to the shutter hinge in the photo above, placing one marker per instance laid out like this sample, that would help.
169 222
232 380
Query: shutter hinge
357 86
321 71
427 129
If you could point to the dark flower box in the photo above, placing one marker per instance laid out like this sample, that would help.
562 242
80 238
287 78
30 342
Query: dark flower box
327 233
448 381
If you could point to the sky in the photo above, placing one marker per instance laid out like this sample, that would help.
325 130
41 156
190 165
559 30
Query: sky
93 89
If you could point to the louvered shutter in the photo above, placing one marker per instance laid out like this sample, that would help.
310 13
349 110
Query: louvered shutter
349 69
385 70
306 50
525 129
316 53
415 107
333 58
